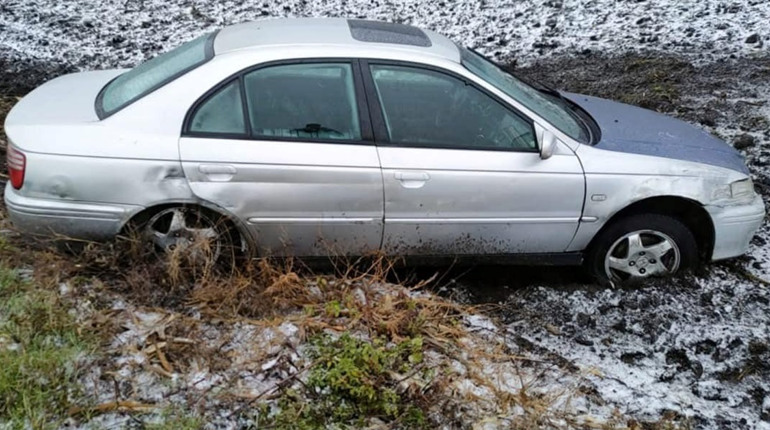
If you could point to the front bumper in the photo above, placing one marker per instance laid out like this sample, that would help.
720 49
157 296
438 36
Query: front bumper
734 226
66 219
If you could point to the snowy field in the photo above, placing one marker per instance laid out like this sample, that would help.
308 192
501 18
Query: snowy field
696 347
110 33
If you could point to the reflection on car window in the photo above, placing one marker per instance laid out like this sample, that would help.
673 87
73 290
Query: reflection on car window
221 113
306 101
423 107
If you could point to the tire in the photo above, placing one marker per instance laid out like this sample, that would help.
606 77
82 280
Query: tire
641 246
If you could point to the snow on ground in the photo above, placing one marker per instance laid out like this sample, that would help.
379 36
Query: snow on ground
111 33
652 354
698 346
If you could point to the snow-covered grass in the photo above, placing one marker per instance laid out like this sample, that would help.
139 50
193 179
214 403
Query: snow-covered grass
114 33
39 344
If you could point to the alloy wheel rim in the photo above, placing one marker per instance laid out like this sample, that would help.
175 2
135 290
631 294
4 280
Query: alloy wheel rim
642 254
184 230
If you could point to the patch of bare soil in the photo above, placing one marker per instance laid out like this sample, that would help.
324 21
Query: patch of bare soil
19 77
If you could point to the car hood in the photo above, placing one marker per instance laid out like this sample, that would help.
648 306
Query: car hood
631 129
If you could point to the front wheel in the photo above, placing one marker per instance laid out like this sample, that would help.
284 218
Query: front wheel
642 246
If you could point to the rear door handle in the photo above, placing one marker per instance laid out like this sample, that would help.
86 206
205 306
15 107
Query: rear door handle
218 172
412 176
217 169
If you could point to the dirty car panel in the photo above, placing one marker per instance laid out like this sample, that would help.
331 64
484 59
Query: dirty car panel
479 202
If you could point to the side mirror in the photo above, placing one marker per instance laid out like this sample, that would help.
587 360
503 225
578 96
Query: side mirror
546 142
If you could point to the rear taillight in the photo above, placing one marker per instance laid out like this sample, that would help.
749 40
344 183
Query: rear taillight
17 162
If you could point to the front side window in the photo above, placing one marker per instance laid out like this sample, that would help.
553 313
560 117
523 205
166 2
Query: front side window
428 108
303 101
221 113
153 74
549 106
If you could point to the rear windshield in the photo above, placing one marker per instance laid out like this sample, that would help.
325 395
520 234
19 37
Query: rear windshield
153 74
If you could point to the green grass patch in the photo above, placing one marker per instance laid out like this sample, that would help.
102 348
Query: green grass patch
351 382
39 348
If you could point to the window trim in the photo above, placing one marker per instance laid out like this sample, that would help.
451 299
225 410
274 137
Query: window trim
98 103
382 137
364 117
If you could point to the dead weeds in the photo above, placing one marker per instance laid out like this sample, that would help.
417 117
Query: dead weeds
171 301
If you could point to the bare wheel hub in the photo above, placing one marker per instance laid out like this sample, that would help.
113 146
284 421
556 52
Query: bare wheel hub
181 228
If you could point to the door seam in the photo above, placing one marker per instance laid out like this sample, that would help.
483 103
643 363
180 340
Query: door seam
377 149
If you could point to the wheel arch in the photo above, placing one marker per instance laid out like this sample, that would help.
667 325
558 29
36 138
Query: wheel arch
690 212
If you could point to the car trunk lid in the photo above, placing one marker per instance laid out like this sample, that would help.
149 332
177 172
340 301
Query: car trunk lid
65 100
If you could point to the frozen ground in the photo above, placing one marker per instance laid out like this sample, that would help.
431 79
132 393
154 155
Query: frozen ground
697 347
85 34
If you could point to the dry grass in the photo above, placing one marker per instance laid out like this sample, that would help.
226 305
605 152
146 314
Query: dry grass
355 299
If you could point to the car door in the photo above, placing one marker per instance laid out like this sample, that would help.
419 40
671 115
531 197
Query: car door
462 171
288 149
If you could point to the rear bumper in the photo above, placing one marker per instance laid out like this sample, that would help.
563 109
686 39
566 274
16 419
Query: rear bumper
734 226
66 219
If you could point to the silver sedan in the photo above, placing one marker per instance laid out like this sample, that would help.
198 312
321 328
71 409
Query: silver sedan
316 137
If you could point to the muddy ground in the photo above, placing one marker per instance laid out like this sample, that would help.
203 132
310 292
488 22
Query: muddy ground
697 346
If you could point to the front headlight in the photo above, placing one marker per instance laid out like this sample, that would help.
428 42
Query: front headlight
742 188
737 190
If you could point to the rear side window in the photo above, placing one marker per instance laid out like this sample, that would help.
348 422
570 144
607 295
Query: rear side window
153 74
221 113
303 101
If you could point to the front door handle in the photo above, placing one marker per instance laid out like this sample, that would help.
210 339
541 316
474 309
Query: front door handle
217 169
412 176
412 179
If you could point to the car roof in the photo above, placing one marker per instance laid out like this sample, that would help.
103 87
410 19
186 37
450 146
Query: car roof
354 33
